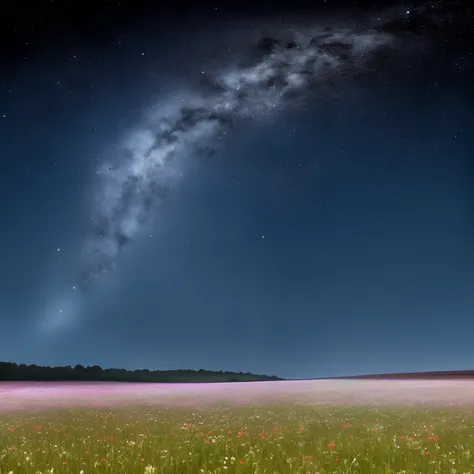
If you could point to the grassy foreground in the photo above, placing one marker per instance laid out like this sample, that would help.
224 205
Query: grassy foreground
239 440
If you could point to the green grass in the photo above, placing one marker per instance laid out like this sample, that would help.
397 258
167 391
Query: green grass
239 440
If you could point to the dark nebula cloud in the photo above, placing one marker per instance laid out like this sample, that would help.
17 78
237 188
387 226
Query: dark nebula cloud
273 73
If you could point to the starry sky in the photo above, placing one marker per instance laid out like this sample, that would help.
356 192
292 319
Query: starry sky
332 235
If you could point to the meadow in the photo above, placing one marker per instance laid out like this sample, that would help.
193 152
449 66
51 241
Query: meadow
267 427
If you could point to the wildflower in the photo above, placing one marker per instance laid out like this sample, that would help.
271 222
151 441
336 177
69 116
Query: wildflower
112 438
331 446
142 459
427 453
103 459
337 459
229 432
241 461
402 437
11 430
87 452
350 436
64 462
301 428
38 427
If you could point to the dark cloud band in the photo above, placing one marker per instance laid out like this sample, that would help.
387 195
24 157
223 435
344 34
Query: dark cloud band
269 76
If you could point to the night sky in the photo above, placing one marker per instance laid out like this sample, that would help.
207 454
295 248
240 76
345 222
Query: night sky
176 192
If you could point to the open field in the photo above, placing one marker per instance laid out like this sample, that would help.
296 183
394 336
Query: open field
327 426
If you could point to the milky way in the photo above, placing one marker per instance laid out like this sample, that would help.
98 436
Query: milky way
273 73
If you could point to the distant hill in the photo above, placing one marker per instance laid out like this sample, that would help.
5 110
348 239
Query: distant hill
10 371
436 375
417 375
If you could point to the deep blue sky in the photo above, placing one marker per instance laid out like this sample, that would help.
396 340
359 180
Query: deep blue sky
333 240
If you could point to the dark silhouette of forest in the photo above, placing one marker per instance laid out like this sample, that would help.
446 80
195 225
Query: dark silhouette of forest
10 371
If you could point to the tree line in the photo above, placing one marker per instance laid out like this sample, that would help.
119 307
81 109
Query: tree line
9 371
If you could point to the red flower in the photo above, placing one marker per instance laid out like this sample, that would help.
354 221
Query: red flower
337 459
426 453
142 459
229 432
241 461
64 462
38 427
103 459
331 446
11 430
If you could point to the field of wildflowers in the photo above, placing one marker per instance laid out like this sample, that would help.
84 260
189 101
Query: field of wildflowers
225 437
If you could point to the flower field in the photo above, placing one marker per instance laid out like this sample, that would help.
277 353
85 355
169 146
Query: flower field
267 427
